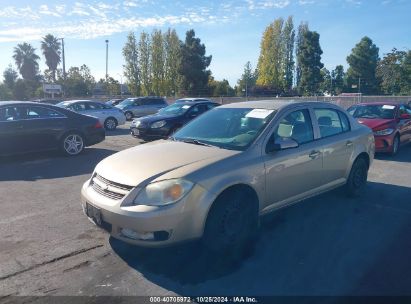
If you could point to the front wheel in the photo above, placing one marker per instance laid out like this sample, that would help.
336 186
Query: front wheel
129 115
357 180
72 144
395 145
231 226
110 124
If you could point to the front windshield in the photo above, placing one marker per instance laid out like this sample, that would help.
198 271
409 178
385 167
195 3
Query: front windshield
373 111
127 102
175 109
228 128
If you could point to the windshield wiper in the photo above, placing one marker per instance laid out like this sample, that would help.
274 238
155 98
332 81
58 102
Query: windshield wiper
195 142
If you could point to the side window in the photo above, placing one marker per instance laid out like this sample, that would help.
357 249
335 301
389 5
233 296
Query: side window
78 107
157 101
345 122
296 125
328 121
145 102
138 102
93 106
40 112
106 107
9 114
211 106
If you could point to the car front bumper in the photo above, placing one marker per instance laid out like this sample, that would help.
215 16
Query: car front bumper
169 224
148 133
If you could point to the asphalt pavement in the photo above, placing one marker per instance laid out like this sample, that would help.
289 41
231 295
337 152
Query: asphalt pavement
327 245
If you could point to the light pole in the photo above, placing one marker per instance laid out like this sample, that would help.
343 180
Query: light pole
106 60
64 65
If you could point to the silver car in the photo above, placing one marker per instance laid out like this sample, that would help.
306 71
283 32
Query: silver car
219 173
110 117
141 106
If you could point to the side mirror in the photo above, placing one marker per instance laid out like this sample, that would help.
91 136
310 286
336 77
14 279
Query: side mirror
281 144
405 116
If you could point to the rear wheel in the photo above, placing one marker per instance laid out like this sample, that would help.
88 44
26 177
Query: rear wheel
395 145
110 124
129 115
357 179
232 225
72 144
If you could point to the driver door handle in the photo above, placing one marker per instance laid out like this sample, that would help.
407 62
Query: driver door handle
314 154
349 143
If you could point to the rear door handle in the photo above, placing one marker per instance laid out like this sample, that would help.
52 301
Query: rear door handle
314 154
349 143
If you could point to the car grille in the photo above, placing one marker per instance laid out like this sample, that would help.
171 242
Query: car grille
108 188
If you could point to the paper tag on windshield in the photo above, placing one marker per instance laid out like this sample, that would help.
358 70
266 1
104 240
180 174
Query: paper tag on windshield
259 113
185 107
388 107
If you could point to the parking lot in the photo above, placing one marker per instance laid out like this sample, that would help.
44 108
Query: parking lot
328 245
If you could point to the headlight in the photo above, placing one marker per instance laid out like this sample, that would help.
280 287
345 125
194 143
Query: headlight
158 124
136 123
163 193
384 132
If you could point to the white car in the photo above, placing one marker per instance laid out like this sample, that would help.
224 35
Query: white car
109 116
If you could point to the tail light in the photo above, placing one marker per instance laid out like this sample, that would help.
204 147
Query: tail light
98 125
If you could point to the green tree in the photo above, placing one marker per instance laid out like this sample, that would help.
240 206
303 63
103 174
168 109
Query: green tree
391 73
302 28
172 62
288 39
21 90
247 80
271 60
194 64
326 83
26 61
79 82
131 68
220 88
363 62
158 65
338 76
145 63
10 77
51 48
406 68
309 59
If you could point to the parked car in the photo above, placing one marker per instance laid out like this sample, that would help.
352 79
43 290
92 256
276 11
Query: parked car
193 99
168 119
114 102
390 122
141 106
49 101
29 126
109 116
218 173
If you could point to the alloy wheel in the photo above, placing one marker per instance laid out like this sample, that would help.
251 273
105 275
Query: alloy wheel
73 144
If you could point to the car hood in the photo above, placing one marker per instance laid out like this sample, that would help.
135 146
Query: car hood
142 164
375 123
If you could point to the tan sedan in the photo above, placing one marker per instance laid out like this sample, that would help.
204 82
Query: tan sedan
219 173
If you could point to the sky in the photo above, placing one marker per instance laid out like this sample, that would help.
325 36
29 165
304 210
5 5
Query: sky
230 29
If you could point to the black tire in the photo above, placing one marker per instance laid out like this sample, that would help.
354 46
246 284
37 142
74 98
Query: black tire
110 124
395 145
357 180
129 115
72 144
232 225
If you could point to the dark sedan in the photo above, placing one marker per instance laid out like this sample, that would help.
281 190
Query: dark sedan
168 120
28 127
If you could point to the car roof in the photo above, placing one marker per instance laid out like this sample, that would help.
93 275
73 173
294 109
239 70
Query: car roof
274 104
194 102
79 100
390 103
15 102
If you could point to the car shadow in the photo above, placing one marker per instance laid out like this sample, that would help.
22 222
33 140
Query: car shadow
51 164
403 155
327 245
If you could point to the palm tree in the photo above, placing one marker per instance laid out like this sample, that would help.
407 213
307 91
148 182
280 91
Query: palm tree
51 48
26 60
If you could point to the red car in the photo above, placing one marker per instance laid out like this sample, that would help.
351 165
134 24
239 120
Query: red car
390 122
